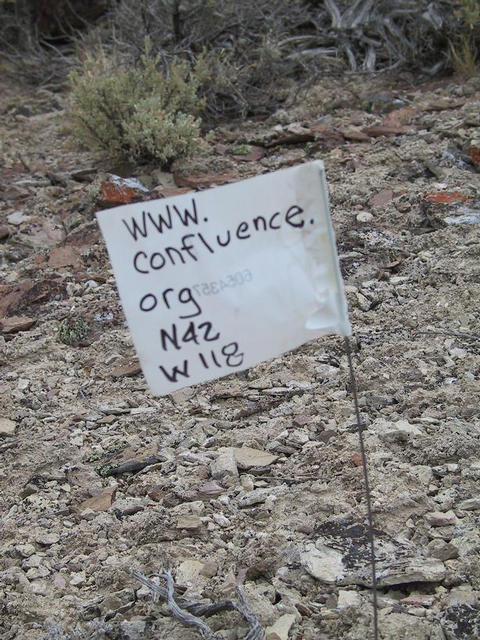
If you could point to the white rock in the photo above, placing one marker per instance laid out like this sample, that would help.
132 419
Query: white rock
246 457
47 539
17 218
25 550
39 587
471 504
221 520
364 216
348 599
188 573
78 579
323 563
225 467
459 596
7 427
394 431
281 628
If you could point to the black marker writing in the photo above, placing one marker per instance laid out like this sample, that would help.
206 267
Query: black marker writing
161 222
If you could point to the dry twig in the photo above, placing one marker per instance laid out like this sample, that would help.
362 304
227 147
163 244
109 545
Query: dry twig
189 613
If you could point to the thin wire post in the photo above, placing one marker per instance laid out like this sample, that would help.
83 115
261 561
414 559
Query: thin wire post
371 535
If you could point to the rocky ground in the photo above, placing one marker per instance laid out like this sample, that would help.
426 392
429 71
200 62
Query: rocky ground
256 478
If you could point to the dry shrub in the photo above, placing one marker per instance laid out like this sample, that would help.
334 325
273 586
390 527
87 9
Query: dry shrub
465 38
257 49
38 37
140 112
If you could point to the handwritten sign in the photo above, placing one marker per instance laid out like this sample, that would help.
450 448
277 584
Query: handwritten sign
217 281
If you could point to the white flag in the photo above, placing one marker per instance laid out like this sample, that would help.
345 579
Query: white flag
217 281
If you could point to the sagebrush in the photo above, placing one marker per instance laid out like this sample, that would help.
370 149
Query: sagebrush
141 113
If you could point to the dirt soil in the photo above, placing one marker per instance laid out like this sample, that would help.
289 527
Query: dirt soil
257 477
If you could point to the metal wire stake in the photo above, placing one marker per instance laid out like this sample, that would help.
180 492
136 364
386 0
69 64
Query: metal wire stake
371 534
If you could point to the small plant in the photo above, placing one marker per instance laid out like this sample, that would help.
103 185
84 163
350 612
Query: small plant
464 47
73 332
242 150
139 113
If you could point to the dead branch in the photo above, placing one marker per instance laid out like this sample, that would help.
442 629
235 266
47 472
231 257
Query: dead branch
189 613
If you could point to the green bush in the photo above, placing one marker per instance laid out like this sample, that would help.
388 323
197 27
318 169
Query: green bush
139 113
73 331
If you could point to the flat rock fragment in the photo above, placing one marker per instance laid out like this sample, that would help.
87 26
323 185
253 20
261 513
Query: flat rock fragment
281 628
127 368
246 457
224 467
14 324
323 563
102 501
7 427
399 572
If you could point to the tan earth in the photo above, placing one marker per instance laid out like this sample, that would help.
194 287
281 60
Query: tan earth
99 478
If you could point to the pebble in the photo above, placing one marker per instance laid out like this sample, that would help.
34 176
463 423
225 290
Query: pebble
364 216
472 504
100 502
17 218
463 595
442 550
78 579
188 572
257 496
14 324
246 458
440 518
224 467
39 587
400 431
47 539
7 427
348 599
209 569
190 523
25 550
133 629
281 628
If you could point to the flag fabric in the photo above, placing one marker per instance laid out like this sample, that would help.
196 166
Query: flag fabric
217 281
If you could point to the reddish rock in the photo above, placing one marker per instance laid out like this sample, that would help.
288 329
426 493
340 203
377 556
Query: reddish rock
113 195
126 368
354 135
83 276
16 323
475 155
16 298
328 137
67 256
446 197
4 231
381 130
16 170
399 117
11 294
100 502
204 180
11 192
357 460
381 199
